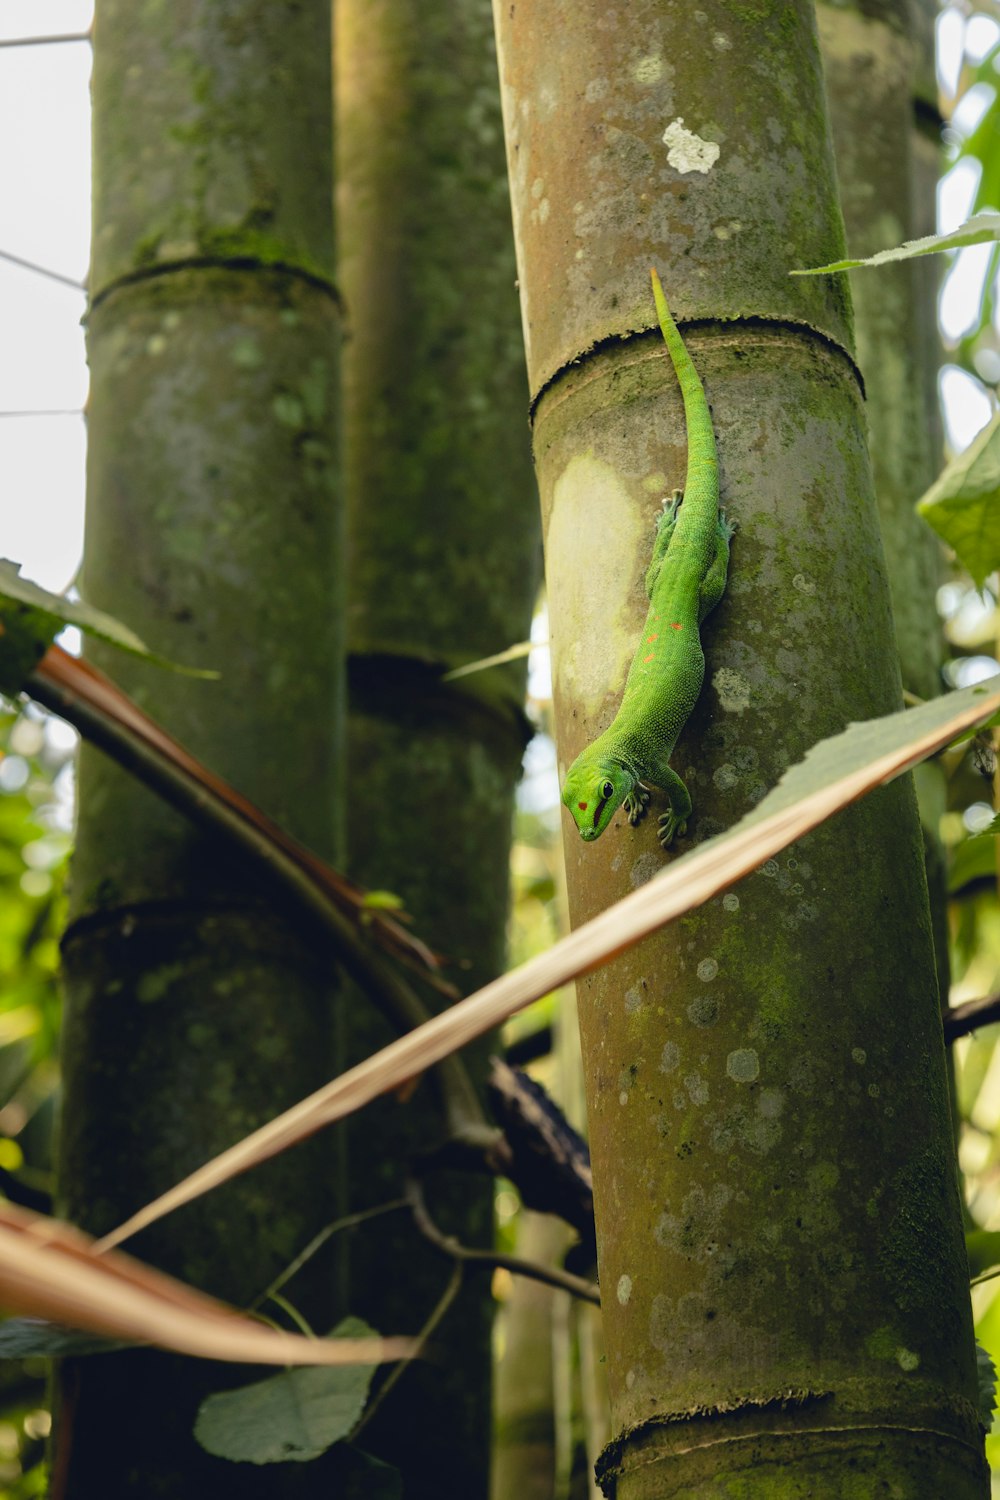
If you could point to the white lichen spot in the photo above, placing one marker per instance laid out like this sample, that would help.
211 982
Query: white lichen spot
596 90
578 255
156 344
633 1000
629 1380
803 584
624 1289
648 69
655 483
579 208
873 1091
687 152
623 1097
537 188
721 42
907 1359
768 868
771 1103
670 1057
725 777
697 1088
743 1065
171 319
707 969
644 868
541 213
859 1054
730 901
732 689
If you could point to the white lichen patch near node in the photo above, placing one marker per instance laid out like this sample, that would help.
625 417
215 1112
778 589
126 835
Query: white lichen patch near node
730 901
624 1289
623 1097
743 1065
803 584
907 1359
859 1054
707 969
633 999
687 152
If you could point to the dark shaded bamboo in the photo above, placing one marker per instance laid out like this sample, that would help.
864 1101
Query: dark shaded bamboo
194 1011
444 569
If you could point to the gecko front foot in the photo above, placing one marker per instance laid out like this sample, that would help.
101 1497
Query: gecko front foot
635 804
670 823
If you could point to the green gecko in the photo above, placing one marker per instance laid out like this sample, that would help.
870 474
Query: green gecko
686 579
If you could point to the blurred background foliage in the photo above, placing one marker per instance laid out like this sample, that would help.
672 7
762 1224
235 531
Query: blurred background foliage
35 820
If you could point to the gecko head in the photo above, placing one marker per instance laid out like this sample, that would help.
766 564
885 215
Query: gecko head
594 790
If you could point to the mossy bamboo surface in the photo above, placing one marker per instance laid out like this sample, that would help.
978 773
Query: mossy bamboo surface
784 1283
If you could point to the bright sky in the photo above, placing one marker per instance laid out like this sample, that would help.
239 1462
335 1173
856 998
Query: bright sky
45 218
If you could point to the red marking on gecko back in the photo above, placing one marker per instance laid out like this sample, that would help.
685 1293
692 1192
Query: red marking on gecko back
649 657
654 637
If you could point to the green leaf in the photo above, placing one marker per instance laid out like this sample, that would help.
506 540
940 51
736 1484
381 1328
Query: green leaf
987 1380
382 901
962 505
975 231
25 636
975 858
291 1417
21 1338
983 1249
57 608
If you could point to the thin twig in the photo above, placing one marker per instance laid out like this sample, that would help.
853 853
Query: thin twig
577 1286
42 41
961 1019
30 265
292 1312
319 1240
50 411
447 1297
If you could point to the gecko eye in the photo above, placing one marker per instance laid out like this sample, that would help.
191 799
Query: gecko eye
607 790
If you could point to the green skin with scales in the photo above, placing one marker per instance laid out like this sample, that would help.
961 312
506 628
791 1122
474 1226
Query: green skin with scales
686 579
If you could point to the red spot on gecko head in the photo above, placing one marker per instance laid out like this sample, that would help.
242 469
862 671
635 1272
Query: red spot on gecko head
649 657
582 806
675 626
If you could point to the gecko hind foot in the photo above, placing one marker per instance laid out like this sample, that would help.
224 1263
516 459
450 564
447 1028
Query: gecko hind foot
635 804
669 825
